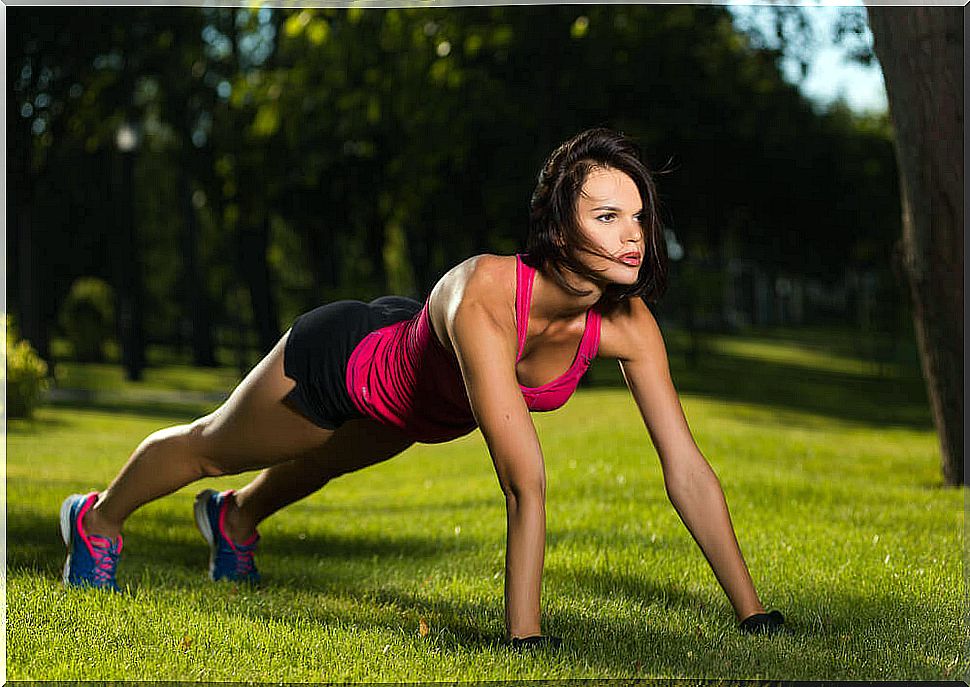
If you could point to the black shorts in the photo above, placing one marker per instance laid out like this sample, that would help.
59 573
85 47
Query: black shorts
319 347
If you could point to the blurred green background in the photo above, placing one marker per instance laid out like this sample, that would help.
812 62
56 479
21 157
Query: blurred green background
185 181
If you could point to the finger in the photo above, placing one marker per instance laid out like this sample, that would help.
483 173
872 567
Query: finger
763 623
535 642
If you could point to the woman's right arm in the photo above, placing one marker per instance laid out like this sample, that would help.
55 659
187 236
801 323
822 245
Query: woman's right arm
486 354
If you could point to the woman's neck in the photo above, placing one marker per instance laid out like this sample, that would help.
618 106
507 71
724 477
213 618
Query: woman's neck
550 301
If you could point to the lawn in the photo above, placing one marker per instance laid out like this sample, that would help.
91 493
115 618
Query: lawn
829 465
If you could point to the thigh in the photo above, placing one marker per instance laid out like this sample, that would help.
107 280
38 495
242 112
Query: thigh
255 428
357 444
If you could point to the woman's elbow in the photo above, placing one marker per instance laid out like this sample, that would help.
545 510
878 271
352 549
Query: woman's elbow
684 484
525 491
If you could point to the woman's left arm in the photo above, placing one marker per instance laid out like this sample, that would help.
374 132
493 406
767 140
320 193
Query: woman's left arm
693 488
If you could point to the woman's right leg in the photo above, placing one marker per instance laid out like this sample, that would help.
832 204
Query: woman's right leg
356 444
253 429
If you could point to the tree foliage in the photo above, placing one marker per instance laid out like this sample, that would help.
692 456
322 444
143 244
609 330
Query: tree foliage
290 157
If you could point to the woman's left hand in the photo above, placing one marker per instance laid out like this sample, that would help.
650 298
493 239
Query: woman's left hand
763 623
634 338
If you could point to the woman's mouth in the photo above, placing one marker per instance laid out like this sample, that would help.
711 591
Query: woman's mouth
631 259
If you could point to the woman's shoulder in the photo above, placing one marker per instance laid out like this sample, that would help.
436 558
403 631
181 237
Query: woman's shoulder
485 282
491 271
486 264
484 278
627 328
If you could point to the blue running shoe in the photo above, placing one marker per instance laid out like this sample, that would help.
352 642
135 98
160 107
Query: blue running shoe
227 559
92 560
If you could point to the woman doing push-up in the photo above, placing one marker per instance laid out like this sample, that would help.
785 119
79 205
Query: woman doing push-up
352 384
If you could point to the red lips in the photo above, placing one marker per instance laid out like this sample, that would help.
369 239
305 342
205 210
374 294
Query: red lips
632 259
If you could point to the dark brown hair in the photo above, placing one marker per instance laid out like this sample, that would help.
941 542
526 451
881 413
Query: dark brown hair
555 236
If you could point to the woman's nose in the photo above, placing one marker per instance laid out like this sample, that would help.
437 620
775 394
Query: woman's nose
633 232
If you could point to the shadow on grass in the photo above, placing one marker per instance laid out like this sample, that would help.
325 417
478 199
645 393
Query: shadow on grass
168 542
176 412
697 637
701 632
618 647
34 425
873 400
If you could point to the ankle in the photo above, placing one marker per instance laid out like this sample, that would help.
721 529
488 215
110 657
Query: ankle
95 523
239 528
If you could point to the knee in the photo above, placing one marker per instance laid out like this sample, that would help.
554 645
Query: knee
200 443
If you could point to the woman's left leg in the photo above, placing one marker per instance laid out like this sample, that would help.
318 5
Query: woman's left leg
356 444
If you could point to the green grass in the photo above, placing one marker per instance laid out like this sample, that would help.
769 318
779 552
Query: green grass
829 466
173 377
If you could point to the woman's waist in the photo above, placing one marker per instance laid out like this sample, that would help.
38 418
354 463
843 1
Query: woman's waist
402 360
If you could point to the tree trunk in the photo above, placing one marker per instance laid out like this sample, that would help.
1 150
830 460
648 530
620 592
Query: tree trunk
31 268
254 244
921 52
316 229
129 291
473 205
33 325
196 298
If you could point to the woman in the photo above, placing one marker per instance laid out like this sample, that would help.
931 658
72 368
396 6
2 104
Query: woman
352 384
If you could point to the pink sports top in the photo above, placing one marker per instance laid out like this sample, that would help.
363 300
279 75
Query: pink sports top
402 375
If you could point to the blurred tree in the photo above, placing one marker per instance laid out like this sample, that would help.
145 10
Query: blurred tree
128 262
187 99
47 62
262 172
24 375
291 157
921 53
75 101
87 317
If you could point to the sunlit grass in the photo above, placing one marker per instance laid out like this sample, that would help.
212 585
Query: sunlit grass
108 377
841 515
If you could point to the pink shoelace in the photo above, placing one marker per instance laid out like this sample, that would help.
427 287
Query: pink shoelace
106 558
244 557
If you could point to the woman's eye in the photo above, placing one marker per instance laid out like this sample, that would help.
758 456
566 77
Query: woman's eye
607 217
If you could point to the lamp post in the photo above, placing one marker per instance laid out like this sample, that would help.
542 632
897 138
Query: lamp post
128 256
127 138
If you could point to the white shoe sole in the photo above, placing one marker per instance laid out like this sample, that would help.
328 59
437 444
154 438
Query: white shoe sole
66 533
202 522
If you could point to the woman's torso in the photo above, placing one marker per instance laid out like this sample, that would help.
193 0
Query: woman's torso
549 349
407 374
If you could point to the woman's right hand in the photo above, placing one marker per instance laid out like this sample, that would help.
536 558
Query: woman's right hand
535 642
763 623
483 336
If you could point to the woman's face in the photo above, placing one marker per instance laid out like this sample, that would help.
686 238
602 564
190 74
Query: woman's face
609 210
